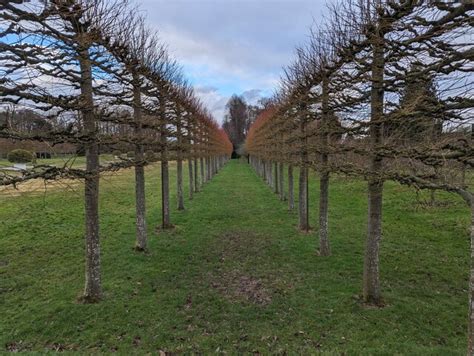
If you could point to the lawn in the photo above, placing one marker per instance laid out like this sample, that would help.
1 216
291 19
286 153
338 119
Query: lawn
235 275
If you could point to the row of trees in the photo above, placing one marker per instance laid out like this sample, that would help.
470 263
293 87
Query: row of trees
382 91
103 81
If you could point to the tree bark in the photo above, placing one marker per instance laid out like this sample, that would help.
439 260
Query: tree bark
165 195
93 287
291 198
141 238
276 183
179 162
281 181
265 171
191 179
303 199
270 173
303 181
196 176
371 290
208 169
471 287
324 249
179 179
165 183
203 177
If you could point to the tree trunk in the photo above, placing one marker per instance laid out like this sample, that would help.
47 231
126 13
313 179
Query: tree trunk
179 161
141 238
324 249
471 287
303 199
196 176
291 197
303 181
463 174
371 290
276 183
270 173
208 169
93 288
203 177
165 180
191 178
281 181
179 179
432 197
165 195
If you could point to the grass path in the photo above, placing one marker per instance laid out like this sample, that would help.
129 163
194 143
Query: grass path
234 276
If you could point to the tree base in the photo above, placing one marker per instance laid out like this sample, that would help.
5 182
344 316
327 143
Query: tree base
140 249
305 230
321 254
88 299
371 303
165 227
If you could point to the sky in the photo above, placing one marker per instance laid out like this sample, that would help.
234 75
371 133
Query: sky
232 46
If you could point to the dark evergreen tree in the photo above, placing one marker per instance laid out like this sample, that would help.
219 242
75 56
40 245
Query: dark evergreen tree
419 115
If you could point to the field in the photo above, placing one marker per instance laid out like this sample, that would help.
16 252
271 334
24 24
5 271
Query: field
234 276
70 161
40 187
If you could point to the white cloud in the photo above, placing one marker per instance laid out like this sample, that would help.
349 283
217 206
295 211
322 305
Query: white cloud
216 102
229 46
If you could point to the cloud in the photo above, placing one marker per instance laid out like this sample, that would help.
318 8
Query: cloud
230 46
252 96
216 102
205 89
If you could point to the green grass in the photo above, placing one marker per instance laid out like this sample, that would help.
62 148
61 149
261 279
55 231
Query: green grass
235 275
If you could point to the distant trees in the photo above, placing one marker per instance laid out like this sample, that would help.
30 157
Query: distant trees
239 117
24 120
236 121
419 114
